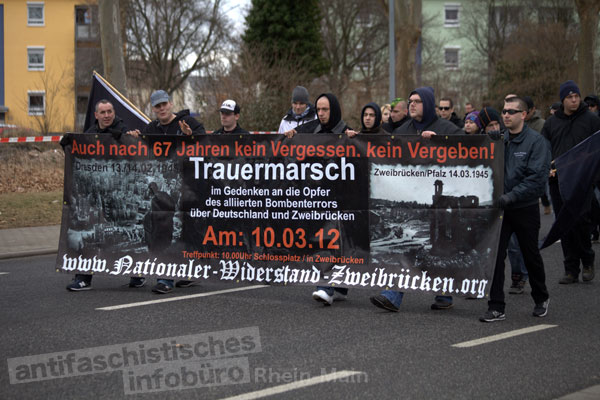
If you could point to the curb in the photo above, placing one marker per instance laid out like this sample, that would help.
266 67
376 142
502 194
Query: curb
28 253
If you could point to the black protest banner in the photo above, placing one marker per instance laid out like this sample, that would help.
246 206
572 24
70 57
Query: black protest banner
374 211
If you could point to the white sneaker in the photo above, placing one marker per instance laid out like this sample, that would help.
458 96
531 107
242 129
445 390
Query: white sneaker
322 296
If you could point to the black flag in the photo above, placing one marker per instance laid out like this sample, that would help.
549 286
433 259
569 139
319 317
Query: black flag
124 109
578 170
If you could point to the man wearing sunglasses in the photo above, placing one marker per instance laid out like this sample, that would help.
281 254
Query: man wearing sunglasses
446 109
526 162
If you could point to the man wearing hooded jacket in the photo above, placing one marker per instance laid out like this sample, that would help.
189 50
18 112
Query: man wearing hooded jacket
571 124
329 120
370 120
423 122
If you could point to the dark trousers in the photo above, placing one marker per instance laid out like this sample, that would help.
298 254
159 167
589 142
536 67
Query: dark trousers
576 243
525 223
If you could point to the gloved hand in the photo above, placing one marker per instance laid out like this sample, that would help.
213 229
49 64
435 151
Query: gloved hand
495 135
66 140
503 201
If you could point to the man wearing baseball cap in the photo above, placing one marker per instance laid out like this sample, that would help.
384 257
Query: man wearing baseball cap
230 114
167 122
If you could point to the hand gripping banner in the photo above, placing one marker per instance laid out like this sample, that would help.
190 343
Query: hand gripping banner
374 211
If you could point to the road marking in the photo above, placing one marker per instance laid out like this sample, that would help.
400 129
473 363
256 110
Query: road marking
504 335
4 273
295 385
191 296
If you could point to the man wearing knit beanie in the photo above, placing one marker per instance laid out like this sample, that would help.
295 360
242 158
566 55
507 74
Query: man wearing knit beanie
490 120
300 113
571 124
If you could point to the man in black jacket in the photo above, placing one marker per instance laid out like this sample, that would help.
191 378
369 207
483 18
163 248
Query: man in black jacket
526 162
446 109
106 122
370 120
398 115
230 114
167 122
571 124
424 121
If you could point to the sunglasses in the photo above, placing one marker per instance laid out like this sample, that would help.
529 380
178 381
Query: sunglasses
444 108
415 102
511 112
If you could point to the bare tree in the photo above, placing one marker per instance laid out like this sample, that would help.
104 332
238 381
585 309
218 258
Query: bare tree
408 30
354 36
250 82
588 11
53 86
162 38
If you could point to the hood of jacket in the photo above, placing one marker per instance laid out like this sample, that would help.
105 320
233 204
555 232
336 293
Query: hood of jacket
428 98
335 112
378 117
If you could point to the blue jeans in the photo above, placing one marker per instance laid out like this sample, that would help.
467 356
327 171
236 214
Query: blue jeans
169 282
517 263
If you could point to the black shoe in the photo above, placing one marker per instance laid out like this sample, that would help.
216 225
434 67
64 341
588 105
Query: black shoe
541 309
79 285
568 279
492 316
184 284
383 302
135 282
587 274
441 305
517 287
162 288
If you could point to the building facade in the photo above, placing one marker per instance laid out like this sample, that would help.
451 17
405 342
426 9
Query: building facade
40 45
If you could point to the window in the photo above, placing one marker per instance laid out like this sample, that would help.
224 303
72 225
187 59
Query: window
87 27
451 15
35 58
35 14
37 103
451 57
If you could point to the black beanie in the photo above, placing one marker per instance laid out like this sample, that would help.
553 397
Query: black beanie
566 88
487 115
300 95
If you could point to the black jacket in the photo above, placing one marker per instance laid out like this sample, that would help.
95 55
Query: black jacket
439 125
116 128
457 121
566 131
172 128
391 125
236 130
335 123
526 166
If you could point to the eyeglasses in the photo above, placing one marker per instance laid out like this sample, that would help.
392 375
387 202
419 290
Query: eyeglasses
511 112
444 108
415 102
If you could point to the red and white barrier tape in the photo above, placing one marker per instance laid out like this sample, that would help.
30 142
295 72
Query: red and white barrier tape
36 139
30 139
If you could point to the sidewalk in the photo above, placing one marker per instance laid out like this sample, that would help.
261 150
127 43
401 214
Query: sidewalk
23 242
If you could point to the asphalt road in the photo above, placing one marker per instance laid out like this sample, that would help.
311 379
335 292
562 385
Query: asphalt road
293 344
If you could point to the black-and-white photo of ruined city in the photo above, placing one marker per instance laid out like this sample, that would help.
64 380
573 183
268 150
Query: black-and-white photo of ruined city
422 218
123 205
